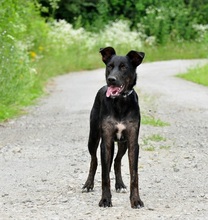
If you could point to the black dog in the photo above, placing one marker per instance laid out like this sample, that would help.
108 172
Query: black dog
115 116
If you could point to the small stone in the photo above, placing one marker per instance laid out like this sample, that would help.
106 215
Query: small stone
5 194
27 201
88 213
64 200
17 150
206 196
176 169
157 180
150 209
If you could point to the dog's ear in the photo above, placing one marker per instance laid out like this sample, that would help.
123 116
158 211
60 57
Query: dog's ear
135 57
107 53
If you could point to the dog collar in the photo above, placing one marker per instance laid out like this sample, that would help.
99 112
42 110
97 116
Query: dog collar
127 93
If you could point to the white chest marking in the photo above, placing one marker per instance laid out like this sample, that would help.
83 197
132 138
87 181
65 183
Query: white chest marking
120 128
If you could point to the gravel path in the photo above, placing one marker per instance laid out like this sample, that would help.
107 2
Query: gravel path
44 158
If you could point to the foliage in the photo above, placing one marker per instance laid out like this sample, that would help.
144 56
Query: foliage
198 75
164 19
151 120
152 142
19 39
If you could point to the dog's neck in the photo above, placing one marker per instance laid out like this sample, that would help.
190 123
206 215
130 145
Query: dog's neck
124 95
127 93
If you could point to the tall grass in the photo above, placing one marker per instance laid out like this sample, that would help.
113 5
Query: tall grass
18 36
31 51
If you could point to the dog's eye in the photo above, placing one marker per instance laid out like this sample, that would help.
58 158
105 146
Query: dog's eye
110 66
122 66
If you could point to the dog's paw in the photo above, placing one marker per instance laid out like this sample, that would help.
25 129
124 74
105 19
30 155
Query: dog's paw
105 202
88 186
136 203
122 190
120 187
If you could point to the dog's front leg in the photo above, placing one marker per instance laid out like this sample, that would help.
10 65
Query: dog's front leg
106 161
133 154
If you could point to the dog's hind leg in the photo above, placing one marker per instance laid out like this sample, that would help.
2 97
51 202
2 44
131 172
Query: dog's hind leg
93 142
122 147
106 159
92 147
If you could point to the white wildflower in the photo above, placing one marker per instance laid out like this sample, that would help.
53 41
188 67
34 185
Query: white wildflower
151 40
202 31
118 33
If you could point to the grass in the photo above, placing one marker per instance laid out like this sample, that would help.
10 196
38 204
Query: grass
156 138
165 147
197 75
151 120
149 142
149 148
175 50
153 138
8 112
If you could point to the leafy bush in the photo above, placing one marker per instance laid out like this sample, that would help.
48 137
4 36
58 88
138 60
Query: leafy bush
166 20
18 39
64 37
119 34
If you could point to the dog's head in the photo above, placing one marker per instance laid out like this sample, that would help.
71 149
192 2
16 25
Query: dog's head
120 71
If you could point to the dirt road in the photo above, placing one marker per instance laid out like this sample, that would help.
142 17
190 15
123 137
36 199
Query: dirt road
44 158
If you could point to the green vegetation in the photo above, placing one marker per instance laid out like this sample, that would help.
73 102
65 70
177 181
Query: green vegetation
149 148
156 138
198 75
176 50
149 142
151 120
33 50
165 20
165 147
19 23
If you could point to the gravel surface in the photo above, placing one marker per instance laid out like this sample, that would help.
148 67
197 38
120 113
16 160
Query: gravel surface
44 158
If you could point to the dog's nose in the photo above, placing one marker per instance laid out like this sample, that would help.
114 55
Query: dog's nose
112 79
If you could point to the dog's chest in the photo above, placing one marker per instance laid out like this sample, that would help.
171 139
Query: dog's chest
119 130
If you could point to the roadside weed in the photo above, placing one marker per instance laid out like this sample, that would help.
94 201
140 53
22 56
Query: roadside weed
198 75
153 142
149 148
151 120
155 137
165 147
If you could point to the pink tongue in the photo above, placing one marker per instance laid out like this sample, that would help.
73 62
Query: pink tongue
112 91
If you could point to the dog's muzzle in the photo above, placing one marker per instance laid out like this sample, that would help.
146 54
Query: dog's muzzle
114 91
